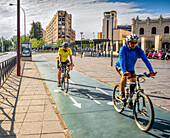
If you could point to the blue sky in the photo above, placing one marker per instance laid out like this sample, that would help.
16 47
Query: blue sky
87 14
160 6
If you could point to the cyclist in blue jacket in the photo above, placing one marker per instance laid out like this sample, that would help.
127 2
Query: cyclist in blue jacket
128 56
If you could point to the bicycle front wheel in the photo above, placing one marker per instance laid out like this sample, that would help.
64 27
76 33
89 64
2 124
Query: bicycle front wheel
143 112
66 84
118 104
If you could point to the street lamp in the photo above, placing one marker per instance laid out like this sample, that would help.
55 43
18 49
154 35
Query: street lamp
24 19
112 13
2 44
81 43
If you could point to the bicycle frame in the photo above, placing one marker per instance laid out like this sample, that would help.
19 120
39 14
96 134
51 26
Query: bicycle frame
136 90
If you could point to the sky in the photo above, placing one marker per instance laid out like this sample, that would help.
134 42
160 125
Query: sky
87 15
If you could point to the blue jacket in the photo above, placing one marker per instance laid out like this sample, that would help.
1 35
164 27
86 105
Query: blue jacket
128 58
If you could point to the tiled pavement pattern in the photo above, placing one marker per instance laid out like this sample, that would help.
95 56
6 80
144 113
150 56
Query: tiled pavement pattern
25 108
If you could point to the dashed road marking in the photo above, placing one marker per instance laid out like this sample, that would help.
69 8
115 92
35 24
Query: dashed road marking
72 82
102 91
93 99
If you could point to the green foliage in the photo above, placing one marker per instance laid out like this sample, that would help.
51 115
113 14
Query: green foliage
6 43
36 31
60 42
152 45
37 43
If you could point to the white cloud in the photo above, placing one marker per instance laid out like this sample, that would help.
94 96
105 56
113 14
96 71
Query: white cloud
87 14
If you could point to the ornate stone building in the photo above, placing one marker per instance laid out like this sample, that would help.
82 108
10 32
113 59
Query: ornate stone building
152 31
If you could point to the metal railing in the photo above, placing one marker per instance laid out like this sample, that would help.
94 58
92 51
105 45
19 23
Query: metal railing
6 68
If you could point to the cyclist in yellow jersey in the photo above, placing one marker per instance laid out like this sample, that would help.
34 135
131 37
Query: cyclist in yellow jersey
64 52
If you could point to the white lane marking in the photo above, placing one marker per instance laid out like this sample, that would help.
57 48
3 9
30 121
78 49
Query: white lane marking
53 68
57 90
110 103
72 82
73 90
93 99
75 102
102 91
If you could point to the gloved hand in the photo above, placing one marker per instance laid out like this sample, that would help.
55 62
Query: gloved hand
152 73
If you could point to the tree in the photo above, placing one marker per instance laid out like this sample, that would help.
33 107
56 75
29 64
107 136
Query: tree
60 42
36 31
34 42
42 42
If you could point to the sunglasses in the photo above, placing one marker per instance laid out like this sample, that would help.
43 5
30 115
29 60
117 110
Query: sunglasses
133 42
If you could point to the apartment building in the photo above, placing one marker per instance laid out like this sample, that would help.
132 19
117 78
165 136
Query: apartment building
60 27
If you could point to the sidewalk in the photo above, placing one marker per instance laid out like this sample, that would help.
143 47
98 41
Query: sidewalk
26 109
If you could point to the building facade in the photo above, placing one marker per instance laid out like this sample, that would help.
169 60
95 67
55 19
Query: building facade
108 25
115 33
60 27
99 35
44 34
152 31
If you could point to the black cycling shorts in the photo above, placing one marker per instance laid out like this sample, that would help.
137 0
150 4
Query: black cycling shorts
67 61
119 70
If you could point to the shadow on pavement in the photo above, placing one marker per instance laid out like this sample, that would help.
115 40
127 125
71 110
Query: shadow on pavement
83 93
159 129
71 84
9 93
158 97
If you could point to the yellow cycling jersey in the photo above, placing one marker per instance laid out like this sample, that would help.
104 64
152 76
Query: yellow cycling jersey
64 55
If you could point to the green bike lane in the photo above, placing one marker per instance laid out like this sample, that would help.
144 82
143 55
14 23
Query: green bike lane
88 111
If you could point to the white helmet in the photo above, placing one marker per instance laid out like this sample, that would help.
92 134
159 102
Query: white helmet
131 37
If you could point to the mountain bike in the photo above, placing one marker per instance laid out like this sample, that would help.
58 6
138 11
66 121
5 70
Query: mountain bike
143 110
64 78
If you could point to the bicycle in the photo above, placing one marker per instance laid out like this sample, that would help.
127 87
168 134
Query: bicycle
143 110
64 78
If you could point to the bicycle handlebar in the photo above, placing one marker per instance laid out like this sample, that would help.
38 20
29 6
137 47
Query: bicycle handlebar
143 75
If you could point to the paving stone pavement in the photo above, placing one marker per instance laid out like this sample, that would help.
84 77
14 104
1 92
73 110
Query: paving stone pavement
157 89
26 109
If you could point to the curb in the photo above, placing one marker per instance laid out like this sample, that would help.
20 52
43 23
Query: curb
66 130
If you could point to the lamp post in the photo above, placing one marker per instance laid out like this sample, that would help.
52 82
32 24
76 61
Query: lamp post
81 43
2 44
112 13
24 20
93 43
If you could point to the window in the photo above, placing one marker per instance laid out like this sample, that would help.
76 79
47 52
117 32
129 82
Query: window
63 23
141 31
153 30
166 29
59 23
63 19
59 27
59 36
59 19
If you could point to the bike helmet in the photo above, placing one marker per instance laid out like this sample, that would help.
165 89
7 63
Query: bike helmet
131 37
65 44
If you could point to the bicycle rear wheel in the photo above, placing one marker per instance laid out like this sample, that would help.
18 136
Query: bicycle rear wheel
63 82
118 104
143 112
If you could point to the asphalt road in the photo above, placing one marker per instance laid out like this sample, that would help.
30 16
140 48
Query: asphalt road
88 111
7 55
